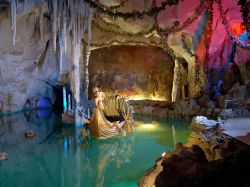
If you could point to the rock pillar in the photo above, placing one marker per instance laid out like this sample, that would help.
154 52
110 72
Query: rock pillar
85 69
176 81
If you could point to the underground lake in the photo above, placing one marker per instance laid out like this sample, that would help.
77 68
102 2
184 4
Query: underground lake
59 156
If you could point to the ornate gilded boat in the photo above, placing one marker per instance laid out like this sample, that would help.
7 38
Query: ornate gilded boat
115 119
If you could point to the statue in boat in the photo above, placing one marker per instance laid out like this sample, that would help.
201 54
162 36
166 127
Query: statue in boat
112 116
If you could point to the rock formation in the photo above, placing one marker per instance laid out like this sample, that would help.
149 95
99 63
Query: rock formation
42 50
208 159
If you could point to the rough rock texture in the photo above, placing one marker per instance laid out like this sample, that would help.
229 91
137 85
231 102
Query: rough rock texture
31 40
28 70
247 104
231 76
192 167
187 108
242 59
176 43
208 159
227 113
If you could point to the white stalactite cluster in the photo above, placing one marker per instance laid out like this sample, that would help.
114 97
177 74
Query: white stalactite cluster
70 18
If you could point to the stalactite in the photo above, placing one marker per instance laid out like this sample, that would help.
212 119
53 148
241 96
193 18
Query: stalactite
13 19
64 32
89 25
55 25
69 20
61 37
61 60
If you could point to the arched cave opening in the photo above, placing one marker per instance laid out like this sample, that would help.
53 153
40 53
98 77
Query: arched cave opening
137 72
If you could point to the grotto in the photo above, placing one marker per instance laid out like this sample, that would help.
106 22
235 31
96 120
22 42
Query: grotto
124 93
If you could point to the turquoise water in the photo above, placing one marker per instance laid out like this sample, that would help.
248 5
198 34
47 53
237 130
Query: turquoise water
58 156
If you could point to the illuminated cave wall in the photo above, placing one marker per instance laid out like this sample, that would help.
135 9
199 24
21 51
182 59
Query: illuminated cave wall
136 72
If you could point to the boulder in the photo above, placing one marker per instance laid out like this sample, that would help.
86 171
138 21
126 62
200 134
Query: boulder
190 168
194 110
200 123
221 101
237 90
215 113
203 101
189 164
247 104
202 112
227 113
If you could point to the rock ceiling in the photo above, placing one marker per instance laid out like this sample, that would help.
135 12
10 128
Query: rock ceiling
114 30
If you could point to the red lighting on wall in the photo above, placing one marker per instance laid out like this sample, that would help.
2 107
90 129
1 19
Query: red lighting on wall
237 28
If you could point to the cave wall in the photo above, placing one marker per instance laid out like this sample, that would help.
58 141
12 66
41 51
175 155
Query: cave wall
30 69
136 72
242 59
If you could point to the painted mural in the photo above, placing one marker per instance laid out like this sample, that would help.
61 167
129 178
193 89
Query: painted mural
134 72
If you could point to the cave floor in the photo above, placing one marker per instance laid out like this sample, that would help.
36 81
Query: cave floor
238 128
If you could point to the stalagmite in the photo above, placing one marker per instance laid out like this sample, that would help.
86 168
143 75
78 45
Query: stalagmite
176 81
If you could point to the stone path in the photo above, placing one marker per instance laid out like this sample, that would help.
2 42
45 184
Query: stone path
238 128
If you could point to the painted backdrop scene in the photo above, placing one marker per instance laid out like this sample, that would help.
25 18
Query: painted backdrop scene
132 71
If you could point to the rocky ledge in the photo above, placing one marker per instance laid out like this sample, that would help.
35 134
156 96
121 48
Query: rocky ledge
210 158
229 105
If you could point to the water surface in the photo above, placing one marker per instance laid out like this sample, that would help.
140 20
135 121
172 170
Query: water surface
58 156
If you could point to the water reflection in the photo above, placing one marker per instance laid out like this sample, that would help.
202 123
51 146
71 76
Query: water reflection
118 152
13 128
59 156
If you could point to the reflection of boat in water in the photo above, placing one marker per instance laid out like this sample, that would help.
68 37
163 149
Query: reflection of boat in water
118 152
116 118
